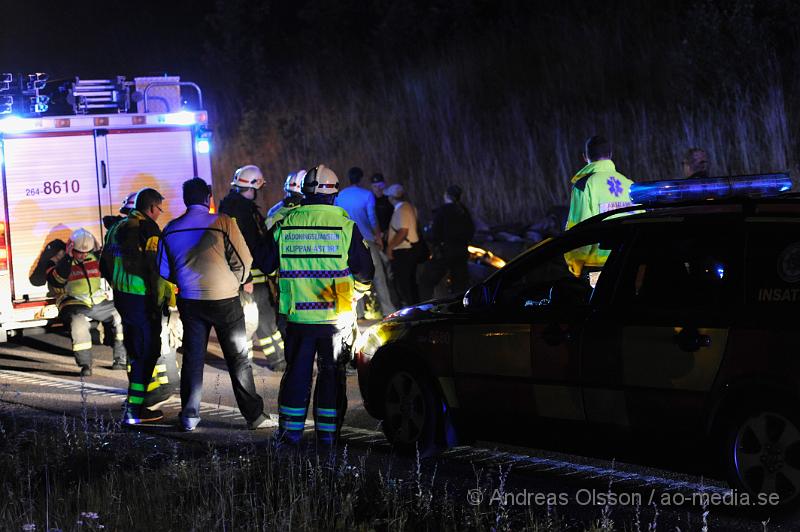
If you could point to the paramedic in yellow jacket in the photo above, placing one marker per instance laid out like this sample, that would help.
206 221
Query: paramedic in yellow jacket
84 299
596 188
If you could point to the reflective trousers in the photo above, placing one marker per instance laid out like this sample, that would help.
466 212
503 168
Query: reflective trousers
141 326
304 343
227 318
78 319
267 337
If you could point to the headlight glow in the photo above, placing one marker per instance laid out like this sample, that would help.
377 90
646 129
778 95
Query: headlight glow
370 341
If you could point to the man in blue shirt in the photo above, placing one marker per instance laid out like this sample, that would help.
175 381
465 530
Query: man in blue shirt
360 206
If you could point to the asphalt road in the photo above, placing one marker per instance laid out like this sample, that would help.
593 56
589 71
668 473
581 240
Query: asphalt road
38 371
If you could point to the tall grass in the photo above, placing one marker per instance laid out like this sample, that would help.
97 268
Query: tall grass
505 114
95 476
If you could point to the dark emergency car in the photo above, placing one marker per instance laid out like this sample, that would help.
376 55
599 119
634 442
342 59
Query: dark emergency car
690 331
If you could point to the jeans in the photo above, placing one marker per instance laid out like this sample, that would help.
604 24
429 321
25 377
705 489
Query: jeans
404 268
227 318
380 281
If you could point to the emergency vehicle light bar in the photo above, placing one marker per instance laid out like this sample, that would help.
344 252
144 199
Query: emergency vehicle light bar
13 124
673 191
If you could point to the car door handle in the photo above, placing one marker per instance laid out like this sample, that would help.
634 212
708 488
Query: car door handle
553 335
103 174
690 339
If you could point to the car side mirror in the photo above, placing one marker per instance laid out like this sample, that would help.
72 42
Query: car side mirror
477 297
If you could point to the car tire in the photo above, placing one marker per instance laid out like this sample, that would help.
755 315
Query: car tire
413 412
762 455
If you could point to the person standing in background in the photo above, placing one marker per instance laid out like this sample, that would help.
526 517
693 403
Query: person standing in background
597 188
451 230
402 235
383 207
360 206
240 205
695 163
293 195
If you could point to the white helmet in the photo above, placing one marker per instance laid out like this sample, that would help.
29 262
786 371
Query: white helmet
129 203
83 241
294 183
249 176
320 180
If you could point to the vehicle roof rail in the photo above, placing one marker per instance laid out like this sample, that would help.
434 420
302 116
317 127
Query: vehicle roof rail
644 209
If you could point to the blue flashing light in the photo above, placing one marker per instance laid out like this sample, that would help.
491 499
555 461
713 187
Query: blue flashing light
13 124
6 104
752 186
203 146
183 118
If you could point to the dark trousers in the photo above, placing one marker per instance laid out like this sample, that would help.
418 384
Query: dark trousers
404 272
450 258
304 343
268 338
141 326
227 318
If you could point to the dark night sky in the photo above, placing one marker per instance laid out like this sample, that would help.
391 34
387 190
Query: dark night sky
411 87
93 38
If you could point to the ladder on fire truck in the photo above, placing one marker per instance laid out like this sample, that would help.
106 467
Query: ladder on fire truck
35 94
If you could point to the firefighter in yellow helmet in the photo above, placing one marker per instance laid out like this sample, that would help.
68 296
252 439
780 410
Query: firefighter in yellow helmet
323 266
240 205
84 299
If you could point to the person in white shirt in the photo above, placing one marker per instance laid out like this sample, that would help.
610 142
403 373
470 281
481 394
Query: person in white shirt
402 234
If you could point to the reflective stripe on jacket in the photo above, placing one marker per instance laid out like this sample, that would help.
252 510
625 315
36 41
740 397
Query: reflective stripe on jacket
279 211
81 281
128 258
596 188
315 282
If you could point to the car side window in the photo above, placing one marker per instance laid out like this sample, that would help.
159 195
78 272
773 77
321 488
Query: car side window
546 279
773 266
682 268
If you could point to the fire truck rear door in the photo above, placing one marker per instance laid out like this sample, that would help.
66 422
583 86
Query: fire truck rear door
51 188
160 158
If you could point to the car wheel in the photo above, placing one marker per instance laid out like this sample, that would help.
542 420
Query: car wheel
763 455
412 413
